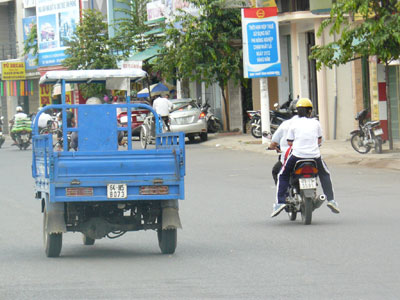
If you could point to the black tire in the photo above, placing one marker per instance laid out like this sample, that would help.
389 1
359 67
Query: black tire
191 138
144 136
87 240
52 242
292 215
356 143
306 211
203 136
256 132
167 240
378 144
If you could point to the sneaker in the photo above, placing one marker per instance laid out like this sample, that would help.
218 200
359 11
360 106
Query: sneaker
333 206
277 208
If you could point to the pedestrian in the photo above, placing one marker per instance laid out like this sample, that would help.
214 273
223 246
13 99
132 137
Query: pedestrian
162 106
304 136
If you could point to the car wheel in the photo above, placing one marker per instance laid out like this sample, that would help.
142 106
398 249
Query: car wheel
191 138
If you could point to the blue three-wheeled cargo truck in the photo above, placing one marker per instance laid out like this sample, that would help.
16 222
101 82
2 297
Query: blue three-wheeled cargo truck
102 189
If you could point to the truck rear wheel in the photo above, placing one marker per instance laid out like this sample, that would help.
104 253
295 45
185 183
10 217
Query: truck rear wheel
52 241
87 240
167 240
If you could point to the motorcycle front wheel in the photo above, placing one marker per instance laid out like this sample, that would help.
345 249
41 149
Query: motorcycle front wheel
358 145
256 132
144 136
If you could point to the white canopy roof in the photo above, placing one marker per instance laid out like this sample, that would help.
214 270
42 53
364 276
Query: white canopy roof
91 75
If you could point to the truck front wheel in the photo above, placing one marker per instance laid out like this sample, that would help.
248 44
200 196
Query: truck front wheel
167 240
52 241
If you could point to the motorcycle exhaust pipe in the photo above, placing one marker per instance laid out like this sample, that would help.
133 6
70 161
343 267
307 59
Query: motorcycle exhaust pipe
319 200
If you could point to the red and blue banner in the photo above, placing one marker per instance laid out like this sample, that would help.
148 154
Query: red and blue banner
261 50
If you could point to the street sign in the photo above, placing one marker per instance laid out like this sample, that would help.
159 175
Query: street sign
261 51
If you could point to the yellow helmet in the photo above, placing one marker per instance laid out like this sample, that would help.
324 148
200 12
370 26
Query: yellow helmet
304 102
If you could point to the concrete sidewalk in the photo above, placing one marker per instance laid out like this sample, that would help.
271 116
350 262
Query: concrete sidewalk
333 151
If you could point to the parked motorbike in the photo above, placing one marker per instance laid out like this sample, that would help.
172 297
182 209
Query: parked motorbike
368 135
213 123
255 122
2 138
303 191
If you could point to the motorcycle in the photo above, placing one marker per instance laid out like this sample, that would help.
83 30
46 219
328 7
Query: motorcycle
303 191
2 138
368 135
21 129
213 123
255 122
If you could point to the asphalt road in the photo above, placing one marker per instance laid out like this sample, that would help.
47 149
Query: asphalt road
229 247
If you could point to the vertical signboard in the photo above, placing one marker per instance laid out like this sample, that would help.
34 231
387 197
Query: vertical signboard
261 52
56 23
45 94
30 59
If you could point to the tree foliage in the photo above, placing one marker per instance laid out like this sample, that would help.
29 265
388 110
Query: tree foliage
130 29
30 44
202 47
365 28
89 49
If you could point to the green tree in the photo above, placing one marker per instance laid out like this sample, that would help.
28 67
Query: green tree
130 29
31 44
204 49
89 49
376 32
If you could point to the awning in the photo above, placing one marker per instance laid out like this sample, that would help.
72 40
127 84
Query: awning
146 54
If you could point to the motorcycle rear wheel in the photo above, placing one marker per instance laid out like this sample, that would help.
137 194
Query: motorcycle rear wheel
306 211
378 144
256 132
357 144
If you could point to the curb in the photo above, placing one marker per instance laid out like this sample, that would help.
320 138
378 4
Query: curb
337 152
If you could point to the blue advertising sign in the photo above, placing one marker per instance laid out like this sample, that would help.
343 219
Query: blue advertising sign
57 20
30 59
261 52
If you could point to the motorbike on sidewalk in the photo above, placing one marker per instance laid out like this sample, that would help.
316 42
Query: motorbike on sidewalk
213 123
2 138
303 196
255 122
368 135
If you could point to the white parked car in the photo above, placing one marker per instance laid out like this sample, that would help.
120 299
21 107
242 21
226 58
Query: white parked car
187 116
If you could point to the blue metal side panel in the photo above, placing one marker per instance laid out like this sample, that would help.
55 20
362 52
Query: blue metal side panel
97 128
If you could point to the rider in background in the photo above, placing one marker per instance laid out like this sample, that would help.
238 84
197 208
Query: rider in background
19 116
162 106
305 137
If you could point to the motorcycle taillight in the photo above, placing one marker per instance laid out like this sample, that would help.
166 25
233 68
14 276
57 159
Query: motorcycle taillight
202 115
307 169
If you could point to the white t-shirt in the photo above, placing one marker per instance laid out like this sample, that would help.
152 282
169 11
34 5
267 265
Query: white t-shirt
20 115
280 136
304 132
43 119
162 106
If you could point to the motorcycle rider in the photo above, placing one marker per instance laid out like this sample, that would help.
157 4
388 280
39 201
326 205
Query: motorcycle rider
280 144
20 115
44 119
162 106
304 136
